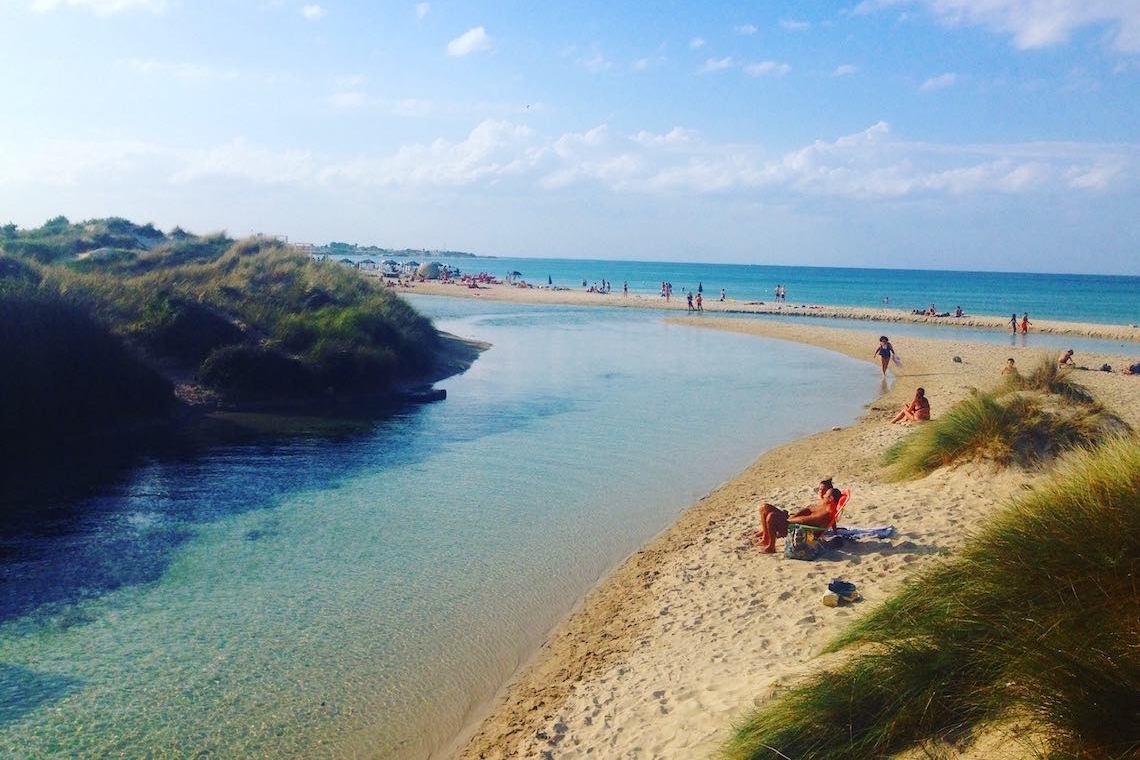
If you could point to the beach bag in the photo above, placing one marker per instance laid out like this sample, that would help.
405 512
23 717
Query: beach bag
802 543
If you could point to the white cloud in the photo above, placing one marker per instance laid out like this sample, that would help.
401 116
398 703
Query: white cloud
313 12
101 7
422 10
940 82
240 159
717 64
869 165
595 62
696 43
1096 177
767 68
674 137
745 30
185 72
494 150
793 25
1035 23
348 100
845 70
472 41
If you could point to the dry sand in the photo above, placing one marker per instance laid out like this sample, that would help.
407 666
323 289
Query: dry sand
696 628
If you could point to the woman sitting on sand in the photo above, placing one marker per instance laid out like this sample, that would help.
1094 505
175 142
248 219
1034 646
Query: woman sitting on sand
774 521
917 409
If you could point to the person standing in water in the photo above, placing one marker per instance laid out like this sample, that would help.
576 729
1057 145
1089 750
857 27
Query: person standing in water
885 351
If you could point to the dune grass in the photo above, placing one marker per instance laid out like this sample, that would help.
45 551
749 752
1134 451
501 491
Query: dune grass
1038 615
65 373
1049 377
1029 421
101 319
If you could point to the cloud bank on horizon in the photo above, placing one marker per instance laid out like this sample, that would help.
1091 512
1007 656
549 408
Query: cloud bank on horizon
958 134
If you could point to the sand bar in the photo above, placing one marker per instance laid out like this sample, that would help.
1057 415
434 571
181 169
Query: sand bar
698 626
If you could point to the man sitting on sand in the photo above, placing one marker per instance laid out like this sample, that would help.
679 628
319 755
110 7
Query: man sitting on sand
774 521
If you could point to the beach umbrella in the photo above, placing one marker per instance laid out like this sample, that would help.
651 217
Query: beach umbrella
429 270
516 274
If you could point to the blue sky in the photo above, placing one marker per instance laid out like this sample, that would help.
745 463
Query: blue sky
943 134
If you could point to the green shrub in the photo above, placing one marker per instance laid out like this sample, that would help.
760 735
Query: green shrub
184 331
66 372
189 297
257 372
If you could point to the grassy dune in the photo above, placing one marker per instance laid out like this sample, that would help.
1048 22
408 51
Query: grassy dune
1037 619
102 321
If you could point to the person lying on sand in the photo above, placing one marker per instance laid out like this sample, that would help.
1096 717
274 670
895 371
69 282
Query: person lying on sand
774 521
917 409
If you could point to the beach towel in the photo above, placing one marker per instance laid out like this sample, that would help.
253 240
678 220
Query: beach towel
881 531
895 358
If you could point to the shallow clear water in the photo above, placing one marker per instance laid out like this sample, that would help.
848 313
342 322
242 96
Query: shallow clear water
358 594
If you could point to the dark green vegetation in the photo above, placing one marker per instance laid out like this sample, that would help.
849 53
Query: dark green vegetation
102 320
1035 620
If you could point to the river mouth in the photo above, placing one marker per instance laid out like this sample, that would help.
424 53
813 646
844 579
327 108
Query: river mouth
292 586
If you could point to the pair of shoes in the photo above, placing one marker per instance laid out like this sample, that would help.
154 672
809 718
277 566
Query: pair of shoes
841 587
844 591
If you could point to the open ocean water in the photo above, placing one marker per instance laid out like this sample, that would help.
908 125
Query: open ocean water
359 593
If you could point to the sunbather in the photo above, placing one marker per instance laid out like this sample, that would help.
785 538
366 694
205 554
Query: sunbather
918 409
774 521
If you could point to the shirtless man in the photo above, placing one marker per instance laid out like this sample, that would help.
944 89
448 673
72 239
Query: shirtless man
774 521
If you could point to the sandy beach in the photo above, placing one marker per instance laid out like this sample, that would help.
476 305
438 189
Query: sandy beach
667 652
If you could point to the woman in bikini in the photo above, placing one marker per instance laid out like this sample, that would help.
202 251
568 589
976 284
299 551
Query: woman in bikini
918 409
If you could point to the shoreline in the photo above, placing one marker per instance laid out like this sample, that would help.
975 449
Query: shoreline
694 628
883 315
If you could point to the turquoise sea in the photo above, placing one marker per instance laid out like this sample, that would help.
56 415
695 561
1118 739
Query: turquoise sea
362 590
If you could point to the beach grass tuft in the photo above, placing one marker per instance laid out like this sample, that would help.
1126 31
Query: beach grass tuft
1037 616
1047 376
1028 421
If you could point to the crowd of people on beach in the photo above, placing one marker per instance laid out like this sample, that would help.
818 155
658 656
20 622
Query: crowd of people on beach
931 311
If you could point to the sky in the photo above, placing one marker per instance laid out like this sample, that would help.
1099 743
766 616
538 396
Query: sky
990 135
